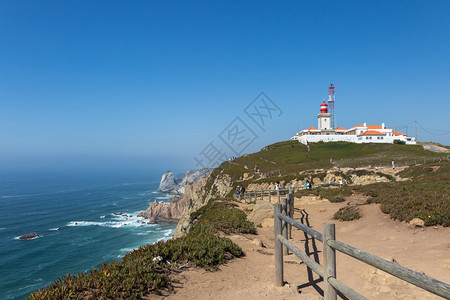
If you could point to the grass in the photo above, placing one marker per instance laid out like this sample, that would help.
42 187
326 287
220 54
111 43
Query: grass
292 158
333 195
147 269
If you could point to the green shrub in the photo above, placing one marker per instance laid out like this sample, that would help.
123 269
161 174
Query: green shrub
347 213
389 177
335 195
221 217
208 251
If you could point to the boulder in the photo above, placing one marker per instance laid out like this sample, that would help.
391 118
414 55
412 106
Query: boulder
165 212
168 183
29 236
416 222
261 211
258 243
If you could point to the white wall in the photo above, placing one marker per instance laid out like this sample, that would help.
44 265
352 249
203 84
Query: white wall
353 139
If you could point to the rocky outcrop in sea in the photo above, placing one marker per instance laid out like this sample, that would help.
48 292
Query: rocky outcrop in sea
169 184
29 236
182 190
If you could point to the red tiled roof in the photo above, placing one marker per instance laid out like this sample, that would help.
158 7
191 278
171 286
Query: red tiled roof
311 128
359 125
374 127
371 132
398 133
341 128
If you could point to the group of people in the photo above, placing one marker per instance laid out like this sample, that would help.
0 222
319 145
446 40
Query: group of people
340 181
232 159
240 190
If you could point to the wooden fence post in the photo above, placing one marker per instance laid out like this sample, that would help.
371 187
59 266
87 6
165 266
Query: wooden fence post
262 191
329 259
291 209
284 224
270 196
279 281
278 194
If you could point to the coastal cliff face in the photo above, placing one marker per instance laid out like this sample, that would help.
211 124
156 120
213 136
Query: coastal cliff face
198 195
172 211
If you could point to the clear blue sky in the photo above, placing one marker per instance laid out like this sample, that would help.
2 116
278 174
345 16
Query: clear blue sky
151 83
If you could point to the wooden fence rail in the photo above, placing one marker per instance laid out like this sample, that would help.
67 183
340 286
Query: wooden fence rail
250 196
330 245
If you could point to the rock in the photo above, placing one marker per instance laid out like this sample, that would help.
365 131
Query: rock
197 196
192 176
261 211
257 242
29 236
151 220
168 183
416 222
165 212
267 223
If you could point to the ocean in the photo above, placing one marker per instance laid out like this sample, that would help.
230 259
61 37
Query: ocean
82 219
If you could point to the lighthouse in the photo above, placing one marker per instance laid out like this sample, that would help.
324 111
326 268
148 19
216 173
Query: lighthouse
324 118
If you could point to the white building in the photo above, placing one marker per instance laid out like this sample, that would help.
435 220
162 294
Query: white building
357 134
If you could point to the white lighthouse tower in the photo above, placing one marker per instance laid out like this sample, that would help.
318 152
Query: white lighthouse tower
324 118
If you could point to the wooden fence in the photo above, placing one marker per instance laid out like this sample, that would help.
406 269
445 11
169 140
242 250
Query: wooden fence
283 220
250 196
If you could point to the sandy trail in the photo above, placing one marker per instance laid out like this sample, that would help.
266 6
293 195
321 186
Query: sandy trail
424 250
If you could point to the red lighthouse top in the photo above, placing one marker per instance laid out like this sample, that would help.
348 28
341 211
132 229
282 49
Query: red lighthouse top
323 108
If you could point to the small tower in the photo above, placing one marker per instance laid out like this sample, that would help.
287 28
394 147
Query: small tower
324 118
331 104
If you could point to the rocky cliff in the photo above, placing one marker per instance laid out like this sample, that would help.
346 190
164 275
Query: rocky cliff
198 195
172 211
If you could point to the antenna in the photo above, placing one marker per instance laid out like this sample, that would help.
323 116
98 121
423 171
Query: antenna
331 104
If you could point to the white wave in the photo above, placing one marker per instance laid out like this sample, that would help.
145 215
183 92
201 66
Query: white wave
168 232
126 250
54 229
128 220
36 237
102 217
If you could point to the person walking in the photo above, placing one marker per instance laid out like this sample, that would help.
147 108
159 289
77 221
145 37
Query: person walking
393 165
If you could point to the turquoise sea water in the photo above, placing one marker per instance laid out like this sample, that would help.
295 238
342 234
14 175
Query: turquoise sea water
76 217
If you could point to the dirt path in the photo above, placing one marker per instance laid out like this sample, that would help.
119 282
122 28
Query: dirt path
424 250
